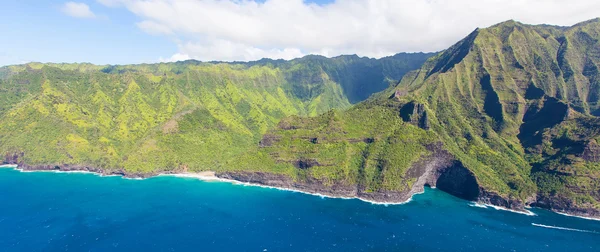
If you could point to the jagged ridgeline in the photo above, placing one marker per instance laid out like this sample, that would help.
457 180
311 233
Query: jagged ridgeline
172 116
508 115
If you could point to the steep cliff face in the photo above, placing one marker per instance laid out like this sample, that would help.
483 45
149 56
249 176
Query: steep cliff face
152 118
513 105
438 169
519 110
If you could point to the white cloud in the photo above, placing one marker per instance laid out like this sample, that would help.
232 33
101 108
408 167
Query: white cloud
176 57
227 50
78 10
249 30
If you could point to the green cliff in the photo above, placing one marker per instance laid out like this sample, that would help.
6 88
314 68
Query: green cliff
150 118
507 116
514 108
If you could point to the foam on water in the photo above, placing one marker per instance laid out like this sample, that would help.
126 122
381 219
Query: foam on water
564 228
581 217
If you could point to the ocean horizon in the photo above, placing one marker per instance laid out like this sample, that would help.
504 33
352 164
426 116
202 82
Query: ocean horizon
48 211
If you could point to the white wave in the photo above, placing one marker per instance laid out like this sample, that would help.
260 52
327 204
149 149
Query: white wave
476 204
212 178
581 217
564 228
15 167
483 205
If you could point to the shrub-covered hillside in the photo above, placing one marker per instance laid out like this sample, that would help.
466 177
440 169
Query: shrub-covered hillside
515 105
172 116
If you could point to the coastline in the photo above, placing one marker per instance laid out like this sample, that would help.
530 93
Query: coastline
577 216
211 176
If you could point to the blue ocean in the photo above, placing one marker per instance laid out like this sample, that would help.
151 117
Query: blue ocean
43 211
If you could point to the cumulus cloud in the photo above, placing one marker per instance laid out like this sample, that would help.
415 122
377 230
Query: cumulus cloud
176 57
250 30
78 10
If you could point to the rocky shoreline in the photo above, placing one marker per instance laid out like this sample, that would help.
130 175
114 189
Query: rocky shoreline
439 171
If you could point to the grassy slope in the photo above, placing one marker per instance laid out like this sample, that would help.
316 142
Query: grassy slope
153 117
486 99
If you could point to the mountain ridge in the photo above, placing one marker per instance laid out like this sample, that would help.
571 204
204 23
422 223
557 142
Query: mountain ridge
145 118
513 104
507 116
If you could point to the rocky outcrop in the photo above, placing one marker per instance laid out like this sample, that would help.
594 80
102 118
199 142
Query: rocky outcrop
310 185
565 205
12 158
316 186
492 198
268 140
305 163
591 152
17 159
415 114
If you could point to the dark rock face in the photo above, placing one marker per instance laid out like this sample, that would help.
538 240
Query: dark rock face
533 92
285 125
541 116
491 105
12 158
564 205
268 140
305 163
17 159
310 185
415 114
458 181
492 198
315 186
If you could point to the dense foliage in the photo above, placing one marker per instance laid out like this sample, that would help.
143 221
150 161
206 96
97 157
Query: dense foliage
515 104
173 116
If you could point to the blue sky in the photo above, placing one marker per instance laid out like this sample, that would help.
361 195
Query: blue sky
40 31
146 31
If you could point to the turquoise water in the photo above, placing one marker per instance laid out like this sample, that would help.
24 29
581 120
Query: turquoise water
41 211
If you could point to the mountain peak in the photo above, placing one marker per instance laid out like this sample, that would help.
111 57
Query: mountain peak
507 23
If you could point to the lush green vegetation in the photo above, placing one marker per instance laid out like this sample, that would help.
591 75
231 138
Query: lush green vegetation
368 145
186 115
515 104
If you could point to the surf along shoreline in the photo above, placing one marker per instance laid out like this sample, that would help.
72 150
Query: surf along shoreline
207 176
211 176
